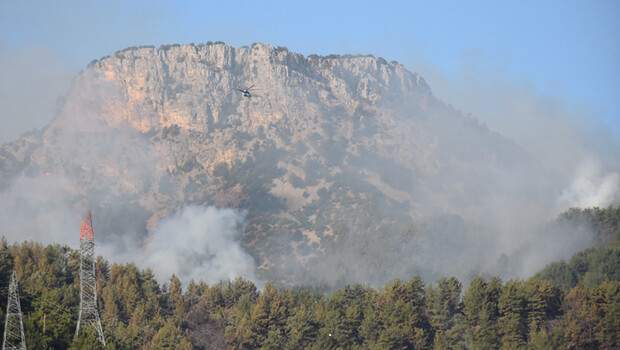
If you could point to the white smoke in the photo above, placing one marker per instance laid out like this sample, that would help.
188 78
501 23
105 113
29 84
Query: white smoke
591 187
198 243
38 209
202 243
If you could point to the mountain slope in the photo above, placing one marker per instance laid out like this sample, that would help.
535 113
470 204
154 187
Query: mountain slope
337 162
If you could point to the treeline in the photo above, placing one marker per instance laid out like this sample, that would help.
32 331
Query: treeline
548 311
603 223
591 266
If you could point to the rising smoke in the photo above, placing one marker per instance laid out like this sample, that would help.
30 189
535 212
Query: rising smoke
195 243
500 223
590 187
198 243
564 137
491 222
577 164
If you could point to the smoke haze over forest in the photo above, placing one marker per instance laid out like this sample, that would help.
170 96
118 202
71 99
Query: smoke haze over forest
309 175
461 169
556 162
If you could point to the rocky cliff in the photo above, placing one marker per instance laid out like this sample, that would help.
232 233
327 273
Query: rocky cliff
337 161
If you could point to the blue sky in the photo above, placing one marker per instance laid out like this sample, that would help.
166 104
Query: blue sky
569 50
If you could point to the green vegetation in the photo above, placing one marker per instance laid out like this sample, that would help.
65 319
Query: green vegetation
138 313
605 223
592 266
589 268
569 305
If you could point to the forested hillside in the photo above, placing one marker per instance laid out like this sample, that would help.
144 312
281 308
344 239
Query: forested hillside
569 305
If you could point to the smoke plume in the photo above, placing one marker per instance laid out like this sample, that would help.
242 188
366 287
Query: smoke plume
482 201
198 243
591 187
195 243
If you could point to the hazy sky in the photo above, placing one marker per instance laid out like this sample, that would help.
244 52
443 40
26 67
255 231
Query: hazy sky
565 50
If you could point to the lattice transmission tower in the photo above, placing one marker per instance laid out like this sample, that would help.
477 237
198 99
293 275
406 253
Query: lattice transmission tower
13 325
89 316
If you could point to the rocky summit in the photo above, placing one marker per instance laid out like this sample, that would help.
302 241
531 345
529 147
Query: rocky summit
337 162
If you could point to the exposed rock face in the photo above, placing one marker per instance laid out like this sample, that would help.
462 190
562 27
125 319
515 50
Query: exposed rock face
332 155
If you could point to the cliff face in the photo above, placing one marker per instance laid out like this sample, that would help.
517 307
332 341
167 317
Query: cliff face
332 154
190 86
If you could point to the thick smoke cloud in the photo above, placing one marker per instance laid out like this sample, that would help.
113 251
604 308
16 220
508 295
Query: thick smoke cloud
39 209
113 165
563 136
199 243
577 165
591 187
499 222
496 224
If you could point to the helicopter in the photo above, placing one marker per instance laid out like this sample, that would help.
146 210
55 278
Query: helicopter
246 92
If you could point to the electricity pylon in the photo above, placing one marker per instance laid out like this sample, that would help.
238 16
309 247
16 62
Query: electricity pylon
89 316
13 326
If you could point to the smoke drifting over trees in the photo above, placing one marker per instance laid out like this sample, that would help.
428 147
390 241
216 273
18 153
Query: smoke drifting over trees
567 305
200 244
308 187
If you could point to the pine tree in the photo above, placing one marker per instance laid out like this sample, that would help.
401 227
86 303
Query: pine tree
444 309
481 312
539 339
403 316
176 300
608 329
579 322
486 334
512 322
170 337
302 328
543 303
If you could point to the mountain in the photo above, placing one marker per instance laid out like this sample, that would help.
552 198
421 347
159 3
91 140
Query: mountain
340 164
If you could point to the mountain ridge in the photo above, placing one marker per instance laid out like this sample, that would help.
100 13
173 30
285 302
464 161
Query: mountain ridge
336 148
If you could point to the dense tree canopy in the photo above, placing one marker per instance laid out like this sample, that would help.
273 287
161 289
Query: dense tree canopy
572 305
